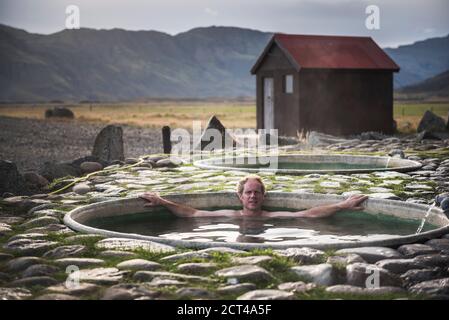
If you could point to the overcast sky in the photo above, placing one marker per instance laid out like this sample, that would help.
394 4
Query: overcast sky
401 21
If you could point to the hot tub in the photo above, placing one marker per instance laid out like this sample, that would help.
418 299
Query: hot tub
305 164
382 223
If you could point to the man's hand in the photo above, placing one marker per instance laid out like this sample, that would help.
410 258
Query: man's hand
353 202
152 198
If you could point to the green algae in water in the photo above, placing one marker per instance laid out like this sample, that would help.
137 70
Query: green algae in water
343 226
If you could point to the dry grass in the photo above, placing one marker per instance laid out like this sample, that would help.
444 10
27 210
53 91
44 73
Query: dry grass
408 115
154 114
181 114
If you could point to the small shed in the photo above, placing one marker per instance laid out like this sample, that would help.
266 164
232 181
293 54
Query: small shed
333 84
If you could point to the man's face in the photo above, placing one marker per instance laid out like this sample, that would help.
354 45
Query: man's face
252 196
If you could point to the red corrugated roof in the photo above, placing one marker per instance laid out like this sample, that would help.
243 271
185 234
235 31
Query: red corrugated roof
331 52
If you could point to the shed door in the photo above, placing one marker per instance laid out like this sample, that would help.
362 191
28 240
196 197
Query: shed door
268 103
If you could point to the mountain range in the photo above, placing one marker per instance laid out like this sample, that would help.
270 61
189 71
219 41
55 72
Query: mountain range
420 60
435 88
111 65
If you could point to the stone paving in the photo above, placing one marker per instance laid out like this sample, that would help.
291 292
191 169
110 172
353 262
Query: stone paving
41 258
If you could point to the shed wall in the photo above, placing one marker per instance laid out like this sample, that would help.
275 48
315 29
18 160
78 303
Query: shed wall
286 112
346 102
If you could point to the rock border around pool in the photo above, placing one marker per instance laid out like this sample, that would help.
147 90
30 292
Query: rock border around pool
76 218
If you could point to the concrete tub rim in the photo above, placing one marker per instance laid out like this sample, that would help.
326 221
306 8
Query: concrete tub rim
209 165
70 221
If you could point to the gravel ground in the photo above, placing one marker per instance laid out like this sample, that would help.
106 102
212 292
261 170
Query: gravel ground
30 142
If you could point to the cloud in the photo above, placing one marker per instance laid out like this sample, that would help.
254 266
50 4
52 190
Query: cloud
211 12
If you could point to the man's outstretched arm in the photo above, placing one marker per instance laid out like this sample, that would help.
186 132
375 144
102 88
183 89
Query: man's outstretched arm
352 203
155 200
180 210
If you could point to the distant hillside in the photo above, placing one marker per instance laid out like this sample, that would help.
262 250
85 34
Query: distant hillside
116 64
433 88
420 60
107 65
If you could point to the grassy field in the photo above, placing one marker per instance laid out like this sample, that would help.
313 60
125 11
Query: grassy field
408 115
177 114
180 114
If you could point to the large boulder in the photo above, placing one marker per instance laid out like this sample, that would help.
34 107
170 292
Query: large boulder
108 144
432 135
10 179
53 170
89 164
59 112
88 167
215 137
35 179
431 122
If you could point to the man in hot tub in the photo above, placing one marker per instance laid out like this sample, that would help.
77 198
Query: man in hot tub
251 192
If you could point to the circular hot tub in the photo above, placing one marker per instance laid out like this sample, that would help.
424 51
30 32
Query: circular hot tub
381 223
313 163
